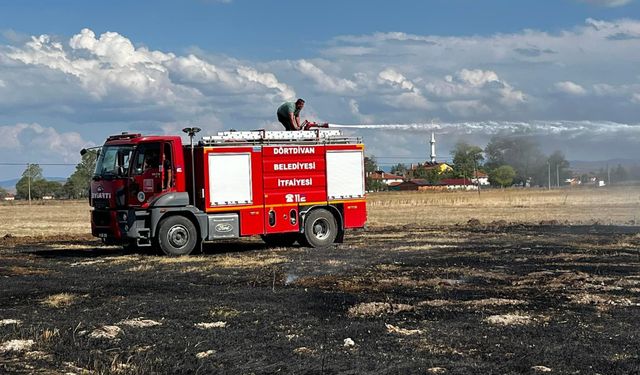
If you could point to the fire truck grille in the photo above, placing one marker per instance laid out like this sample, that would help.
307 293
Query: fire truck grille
101 218
100 203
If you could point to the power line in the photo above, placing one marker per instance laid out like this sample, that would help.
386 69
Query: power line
37 163
408 158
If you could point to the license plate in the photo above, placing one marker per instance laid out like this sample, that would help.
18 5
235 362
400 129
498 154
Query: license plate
102 235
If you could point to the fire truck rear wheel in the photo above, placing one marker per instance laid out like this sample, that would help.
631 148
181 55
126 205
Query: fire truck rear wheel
320 228
177 236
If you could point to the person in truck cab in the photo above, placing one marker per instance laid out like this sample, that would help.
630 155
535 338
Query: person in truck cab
168 168
151 171
151 161
289 114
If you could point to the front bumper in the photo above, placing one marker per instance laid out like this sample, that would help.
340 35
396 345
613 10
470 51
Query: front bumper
121 226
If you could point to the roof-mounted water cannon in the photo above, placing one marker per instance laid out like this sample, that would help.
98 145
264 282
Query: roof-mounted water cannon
309 125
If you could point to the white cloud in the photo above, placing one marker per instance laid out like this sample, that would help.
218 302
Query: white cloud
411 98
570 88
110 69
354 106
117 50
580 140
36 142
267 80
467 108
474 92
113 67
323 81
391 76
477 77
619 93
94 84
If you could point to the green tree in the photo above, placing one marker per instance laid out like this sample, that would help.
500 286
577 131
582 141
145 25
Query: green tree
399 169
522 153
3 192
371 166
433 175
466 159
52 188
502 176
77 185
31 180
619 174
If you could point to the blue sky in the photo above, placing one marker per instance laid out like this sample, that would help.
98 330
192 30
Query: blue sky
263 29
566 71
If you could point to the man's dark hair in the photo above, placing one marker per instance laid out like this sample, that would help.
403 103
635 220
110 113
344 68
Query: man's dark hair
300 100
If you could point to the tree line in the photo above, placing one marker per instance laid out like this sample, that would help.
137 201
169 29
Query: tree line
507 160
32 183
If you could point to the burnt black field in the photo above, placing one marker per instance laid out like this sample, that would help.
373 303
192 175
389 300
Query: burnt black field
472 299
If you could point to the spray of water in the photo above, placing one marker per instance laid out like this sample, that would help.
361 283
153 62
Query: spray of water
566 128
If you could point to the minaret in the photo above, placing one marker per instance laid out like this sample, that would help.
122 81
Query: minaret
433 147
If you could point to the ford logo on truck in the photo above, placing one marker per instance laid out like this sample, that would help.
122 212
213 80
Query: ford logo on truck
100 194
224 228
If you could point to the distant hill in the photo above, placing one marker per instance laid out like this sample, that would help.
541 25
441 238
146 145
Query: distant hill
10 185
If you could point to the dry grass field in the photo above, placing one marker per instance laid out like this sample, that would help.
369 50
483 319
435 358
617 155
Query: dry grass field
508 282
573 206
44 218
620 206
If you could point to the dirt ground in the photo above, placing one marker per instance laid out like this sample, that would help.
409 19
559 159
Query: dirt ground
492 298
458 299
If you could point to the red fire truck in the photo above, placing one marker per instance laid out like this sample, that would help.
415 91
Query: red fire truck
305 186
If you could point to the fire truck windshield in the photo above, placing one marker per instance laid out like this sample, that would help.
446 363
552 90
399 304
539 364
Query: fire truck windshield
113 161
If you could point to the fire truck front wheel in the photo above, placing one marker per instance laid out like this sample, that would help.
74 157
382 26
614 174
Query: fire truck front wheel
320 228
177 236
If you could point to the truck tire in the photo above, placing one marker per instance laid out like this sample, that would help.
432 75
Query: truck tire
177 236
280 239
320 228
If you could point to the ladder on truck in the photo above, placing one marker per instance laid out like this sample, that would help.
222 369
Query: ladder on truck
315 136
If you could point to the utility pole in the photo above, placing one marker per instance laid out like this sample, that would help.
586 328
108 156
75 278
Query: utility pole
29 179
549 174
475 175
557 175
608 175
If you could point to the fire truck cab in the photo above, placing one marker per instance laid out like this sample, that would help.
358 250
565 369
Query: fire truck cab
305 186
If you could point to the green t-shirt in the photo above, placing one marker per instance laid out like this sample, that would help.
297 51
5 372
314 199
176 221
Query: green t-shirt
288 107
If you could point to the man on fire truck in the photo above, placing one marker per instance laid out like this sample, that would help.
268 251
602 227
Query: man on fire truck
289 114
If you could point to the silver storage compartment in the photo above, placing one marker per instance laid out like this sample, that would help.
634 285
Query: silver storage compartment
223 226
